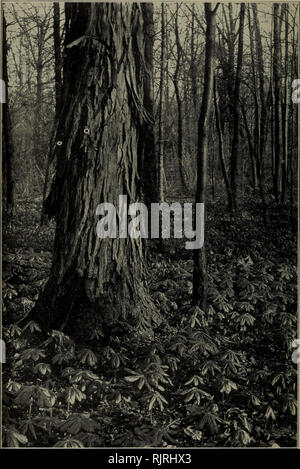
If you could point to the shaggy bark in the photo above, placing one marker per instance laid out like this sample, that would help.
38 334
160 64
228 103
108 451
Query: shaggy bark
98 158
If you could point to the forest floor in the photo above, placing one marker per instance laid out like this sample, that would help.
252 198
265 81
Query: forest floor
220 378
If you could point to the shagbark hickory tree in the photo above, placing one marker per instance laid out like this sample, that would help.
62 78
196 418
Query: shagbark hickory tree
100 150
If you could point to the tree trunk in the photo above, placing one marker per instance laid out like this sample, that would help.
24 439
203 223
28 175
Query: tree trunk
285 108
262 113
262 91
57 56
293 123
199 274
277 98
58 89
257 116
178 99
160 109
236 114
100 126
251 149
193 68
37 131
221 152
8 149
147 143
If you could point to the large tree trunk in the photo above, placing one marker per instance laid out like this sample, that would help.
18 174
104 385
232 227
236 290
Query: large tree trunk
8 150
98 159
199 274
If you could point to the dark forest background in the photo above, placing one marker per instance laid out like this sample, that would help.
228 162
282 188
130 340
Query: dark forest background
130 343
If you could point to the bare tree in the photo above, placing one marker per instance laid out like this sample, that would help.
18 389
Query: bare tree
220 140
8 148
58 89
277 100
199 274
160 108
285 106
236 118
178 97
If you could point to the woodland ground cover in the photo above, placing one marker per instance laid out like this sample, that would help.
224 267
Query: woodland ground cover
220 378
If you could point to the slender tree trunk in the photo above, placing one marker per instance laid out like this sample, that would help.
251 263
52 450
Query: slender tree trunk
263 109
39 160
291 171
257 116
293 120
251 149
236 131
57 57
213 192
147 143
193 116
8 149
263 113
193 68
277 99
221 151
58 89
179 101
199 274
160 109
285 108
230 62
100 125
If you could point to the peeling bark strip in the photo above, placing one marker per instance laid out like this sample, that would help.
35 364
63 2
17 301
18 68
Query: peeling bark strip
100 127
